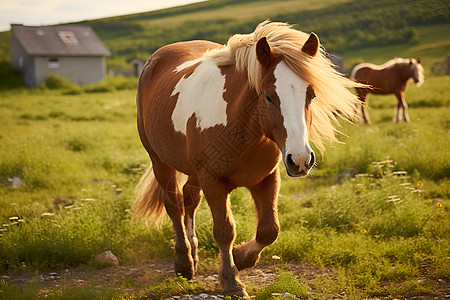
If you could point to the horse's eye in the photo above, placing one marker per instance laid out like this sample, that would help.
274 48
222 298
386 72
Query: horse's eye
269 99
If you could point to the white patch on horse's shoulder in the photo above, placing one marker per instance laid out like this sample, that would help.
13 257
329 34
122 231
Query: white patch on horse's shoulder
187 64
200 94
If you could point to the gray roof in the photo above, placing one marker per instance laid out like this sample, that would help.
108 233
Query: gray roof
60 40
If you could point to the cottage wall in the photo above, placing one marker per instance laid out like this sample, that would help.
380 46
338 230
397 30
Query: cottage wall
79 70
20 60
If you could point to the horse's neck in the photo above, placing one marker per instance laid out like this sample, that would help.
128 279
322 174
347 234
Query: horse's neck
244 104
248 109
405 72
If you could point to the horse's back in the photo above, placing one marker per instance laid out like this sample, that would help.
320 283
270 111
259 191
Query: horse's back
377 76
167 58
362 71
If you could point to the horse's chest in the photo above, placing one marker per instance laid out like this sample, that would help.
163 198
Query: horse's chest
236 154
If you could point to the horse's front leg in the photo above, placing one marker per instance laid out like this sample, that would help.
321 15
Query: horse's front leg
192 197
404 106
265 195
216 193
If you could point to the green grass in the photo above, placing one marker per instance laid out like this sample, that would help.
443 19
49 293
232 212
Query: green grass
80 158
285 282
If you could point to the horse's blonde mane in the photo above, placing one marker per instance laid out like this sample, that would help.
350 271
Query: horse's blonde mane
332 96
390 63
398 60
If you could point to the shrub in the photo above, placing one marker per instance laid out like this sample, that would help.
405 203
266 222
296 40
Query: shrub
122 83
285 284
76 144
99 87
9 77
57 82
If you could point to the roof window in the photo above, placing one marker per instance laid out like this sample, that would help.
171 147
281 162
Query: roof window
68 37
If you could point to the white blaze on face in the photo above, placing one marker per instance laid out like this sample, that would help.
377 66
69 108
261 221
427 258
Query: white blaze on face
291 90
201 94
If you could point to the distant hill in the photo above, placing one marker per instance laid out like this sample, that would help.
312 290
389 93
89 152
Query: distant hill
342 25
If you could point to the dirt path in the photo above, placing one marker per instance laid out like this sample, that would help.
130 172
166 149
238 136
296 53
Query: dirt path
130 279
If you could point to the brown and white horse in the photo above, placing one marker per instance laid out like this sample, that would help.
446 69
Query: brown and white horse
226 116
390 78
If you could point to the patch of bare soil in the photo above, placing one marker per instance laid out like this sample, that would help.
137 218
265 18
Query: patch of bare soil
132 278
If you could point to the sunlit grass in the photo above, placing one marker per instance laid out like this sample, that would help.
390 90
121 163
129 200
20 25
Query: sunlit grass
79 157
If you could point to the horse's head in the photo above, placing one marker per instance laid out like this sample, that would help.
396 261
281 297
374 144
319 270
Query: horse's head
416 71
288 98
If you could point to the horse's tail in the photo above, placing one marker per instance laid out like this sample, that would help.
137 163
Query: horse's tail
149 201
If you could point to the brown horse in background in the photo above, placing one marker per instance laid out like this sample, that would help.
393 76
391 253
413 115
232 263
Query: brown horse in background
390 78
226 116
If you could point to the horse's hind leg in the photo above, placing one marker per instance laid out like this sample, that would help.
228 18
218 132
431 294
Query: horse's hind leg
191 197
265 195
173 202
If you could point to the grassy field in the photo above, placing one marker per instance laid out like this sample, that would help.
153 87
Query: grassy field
382 234
79 158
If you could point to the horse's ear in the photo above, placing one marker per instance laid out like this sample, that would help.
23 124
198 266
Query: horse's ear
311 46
264 53
419 61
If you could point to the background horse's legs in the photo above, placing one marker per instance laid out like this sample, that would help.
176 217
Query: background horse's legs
399 108
401 103
173 202
192 197
265 195
365 114
216 194
362 95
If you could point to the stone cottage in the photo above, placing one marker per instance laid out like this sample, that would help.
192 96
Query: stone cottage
72 51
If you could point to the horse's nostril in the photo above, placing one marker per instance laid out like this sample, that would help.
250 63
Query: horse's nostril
312 160
289 160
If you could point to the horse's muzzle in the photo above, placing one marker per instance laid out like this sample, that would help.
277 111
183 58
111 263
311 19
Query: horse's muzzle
298 170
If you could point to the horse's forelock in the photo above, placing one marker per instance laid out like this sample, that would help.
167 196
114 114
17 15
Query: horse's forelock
420 75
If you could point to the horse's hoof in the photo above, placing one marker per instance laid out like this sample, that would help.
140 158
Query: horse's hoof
187 271
244 260
189 274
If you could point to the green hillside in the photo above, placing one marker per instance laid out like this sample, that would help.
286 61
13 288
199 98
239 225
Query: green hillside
343 25
359 30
